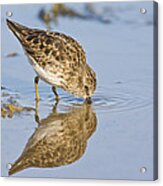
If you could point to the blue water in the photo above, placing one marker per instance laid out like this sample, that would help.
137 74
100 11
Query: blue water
121 54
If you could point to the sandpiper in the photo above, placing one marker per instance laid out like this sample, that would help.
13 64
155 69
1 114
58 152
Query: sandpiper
59 140
57 59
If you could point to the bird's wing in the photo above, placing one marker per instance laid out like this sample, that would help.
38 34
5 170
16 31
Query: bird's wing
54 50
49 48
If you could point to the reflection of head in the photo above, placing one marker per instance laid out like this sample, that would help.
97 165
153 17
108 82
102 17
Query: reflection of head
59 140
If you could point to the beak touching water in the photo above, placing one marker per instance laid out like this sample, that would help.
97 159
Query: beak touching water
88 100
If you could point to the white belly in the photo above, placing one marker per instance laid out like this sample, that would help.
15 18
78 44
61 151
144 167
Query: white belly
48 77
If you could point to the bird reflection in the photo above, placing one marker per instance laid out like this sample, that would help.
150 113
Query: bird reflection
60 139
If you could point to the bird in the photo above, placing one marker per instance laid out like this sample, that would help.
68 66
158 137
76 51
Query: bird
60 139
57 59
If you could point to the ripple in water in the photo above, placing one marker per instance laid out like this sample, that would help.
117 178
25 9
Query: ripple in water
114 101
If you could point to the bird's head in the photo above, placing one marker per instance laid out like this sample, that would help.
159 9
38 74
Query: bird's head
89 83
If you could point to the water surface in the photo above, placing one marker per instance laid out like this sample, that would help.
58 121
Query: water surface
114 137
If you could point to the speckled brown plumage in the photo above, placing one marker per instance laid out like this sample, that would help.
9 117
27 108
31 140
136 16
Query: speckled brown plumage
59 140
57 59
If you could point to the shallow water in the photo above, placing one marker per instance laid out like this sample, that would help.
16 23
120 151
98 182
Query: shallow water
121 131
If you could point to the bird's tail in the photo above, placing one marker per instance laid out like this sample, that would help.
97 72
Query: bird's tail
16 28
18 166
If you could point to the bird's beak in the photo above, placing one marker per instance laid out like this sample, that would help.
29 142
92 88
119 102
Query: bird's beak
88 100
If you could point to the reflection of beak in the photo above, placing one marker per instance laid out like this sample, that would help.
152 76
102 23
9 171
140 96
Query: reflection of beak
88 100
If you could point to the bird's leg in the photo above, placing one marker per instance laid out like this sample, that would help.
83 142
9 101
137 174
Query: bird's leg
55 107
55 92
36 88
37 119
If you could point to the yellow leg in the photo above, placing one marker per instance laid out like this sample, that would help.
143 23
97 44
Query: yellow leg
36 113
56 95
36 88
55 107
